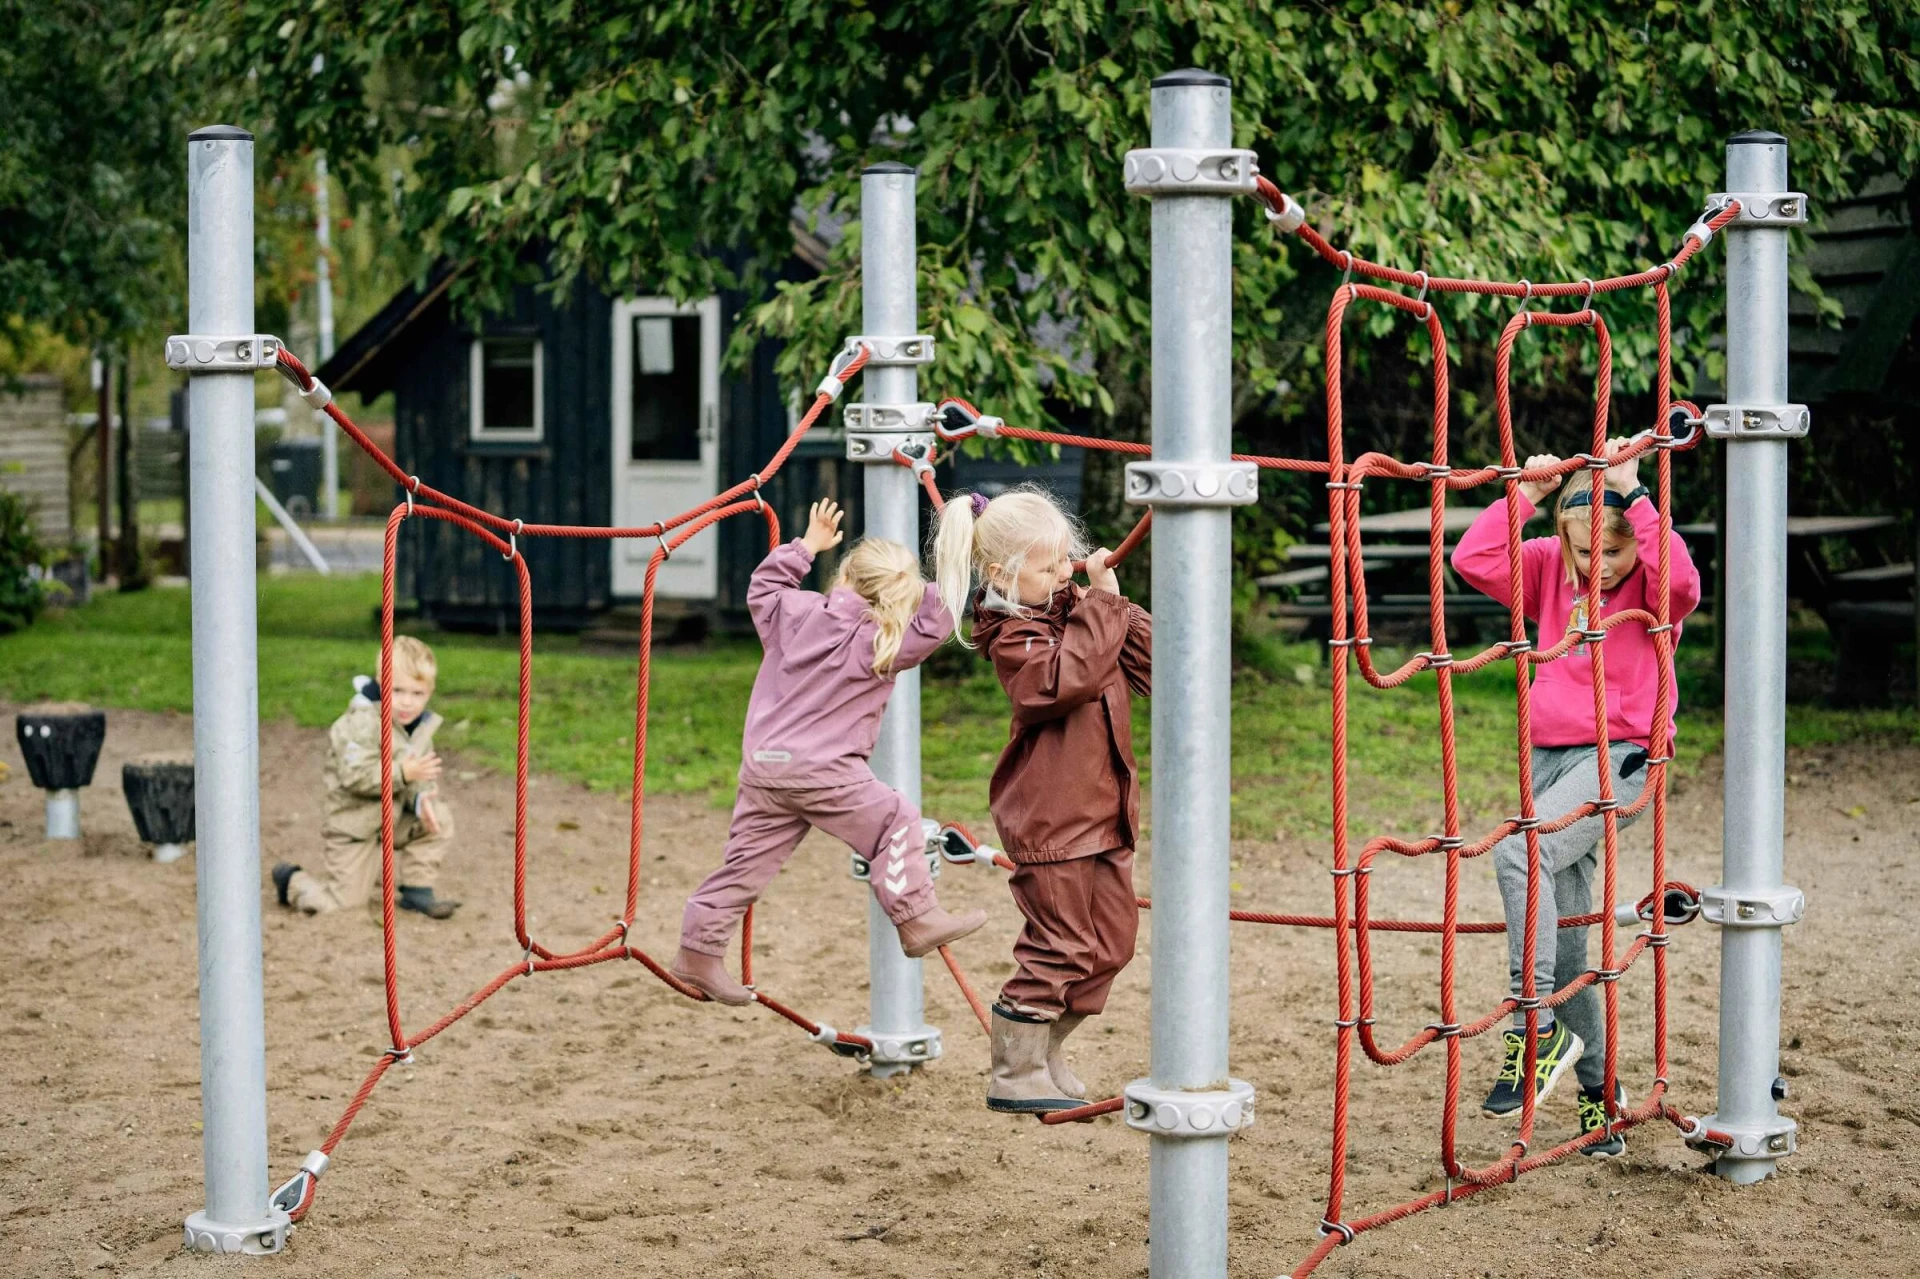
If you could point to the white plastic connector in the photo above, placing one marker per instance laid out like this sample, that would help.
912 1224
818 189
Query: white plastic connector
318 396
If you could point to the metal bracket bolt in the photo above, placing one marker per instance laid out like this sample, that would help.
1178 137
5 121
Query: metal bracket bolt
1192 483
1770 209
1172 1112
1757 421
902 1050
209 353
874 431
254 1239
901 352
1775 908
1190 171
1776 1140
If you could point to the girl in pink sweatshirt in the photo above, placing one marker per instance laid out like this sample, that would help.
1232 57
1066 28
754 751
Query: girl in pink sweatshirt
1566 757
812 722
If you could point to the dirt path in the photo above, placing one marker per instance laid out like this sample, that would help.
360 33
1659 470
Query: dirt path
591 1123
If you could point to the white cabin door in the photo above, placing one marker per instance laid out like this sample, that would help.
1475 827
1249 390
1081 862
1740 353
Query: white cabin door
666 429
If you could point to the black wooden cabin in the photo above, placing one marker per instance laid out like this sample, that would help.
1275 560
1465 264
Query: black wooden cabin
584 409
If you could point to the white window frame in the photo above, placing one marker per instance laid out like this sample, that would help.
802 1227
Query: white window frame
476 395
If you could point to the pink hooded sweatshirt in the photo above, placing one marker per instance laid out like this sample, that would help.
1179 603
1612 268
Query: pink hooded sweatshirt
1563 690
816 705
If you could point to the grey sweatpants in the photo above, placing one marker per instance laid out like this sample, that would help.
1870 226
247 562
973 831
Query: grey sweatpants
1565 777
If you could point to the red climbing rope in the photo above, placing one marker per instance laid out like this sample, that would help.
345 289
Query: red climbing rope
1351 922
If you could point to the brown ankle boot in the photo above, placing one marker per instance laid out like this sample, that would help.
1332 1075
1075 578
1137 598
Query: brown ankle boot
709 974
929 931
1020 1083
1063 1077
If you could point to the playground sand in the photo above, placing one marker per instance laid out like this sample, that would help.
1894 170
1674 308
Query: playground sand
593 1123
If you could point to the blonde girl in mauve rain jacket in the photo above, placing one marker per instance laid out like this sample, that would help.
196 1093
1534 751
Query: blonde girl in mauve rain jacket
812 721
1065 795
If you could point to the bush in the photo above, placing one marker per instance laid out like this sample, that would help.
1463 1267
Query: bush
24 583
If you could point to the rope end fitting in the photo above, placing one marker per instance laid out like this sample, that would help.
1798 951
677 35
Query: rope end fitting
1287 217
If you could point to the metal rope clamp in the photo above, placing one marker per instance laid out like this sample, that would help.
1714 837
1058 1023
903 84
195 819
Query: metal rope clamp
903 352
1173 1112
1757 421
931 834
1768 909
1191 171
209 353
1765 209
1192 483
874 431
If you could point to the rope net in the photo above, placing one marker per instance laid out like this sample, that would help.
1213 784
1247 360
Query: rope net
1351 923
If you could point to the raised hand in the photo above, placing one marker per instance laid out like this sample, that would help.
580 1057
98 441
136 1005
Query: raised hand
823 526
1622 477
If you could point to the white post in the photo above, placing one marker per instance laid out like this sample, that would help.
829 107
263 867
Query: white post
329 435
1190 1106
1752 904
226 711
889 416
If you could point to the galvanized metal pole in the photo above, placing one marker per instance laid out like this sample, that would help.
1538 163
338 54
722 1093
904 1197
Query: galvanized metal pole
329 434
1753 904
889 416
226 711
1193 174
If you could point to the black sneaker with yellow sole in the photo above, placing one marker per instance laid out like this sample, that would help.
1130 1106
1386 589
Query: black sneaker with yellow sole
1593 1118
1559 1049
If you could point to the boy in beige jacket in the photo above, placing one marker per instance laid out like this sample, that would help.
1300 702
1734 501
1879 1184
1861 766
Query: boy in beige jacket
422 820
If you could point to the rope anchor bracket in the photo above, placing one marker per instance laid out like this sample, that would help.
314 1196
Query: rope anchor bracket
211 353
1767 209
1192 483
1767 909
1174 1112
874 431
1757 421
892 1048
900 352
1190 171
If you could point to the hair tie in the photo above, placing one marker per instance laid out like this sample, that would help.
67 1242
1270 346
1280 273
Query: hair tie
979 503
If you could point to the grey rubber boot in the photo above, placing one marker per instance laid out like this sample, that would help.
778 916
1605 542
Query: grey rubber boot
1020 1083
1063 1077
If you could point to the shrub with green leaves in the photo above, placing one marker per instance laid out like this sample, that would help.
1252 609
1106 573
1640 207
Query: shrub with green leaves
24 584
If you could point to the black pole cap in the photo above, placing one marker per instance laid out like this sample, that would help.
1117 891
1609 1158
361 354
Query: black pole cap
888 166
220 133
1192 77
1756 138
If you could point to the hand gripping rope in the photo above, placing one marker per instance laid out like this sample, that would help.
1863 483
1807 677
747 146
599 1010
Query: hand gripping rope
955 421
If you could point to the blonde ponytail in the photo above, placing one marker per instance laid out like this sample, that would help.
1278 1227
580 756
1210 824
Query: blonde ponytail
1005 532
953 559
887 576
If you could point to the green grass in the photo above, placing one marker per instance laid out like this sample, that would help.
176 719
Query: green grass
134 651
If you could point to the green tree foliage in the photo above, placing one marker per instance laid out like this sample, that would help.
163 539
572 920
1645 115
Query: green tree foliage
91 174
664 147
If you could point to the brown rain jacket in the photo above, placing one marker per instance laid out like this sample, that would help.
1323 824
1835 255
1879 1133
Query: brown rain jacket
1067 785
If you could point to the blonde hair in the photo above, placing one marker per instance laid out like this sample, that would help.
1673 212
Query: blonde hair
411 657
887 576
1613 523
1010 528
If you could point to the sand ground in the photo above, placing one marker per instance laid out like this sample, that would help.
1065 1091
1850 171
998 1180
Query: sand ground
591 1122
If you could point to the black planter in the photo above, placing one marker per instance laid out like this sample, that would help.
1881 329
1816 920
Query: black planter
159 790
61 743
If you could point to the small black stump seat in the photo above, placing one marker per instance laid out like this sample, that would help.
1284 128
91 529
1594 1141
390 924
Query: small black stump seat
61 742
159 790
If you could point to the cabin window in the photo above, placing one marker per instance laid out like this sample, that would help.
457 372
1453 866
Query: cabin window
505 390
665 388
